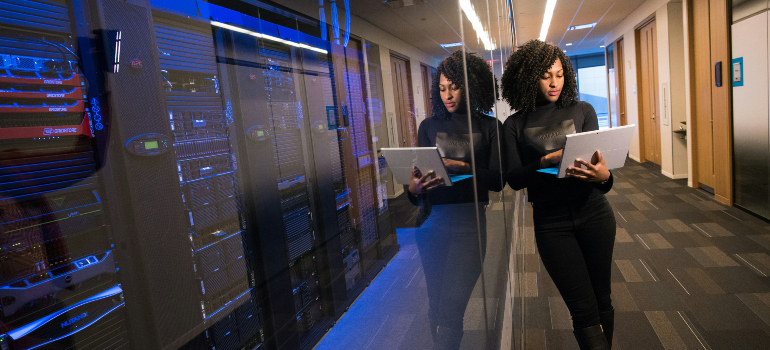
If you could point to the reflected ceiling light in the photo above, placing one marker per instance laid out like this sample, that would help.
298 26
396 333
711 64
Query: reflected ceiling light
601 45
266 37
451 44
569 44
583 26
549 7
481 34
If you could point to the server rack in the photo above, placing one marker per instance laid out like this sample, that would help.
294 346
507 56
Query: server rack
207 168
173 168
58 283
268 110
176 111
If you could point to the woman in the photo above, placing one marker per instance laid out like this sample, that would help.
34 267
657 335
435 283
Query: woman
574 223
450 245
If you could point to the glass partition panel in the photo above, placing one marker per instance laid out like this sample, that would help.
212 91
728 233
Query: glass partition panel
242 175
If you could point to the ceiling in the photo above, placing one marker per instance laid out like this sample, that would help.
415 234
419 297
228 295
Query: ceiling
568 13
426 24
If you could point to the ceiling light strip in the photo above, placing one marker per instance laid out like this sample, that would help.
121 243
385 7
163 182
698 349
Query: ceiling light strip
597 22
571 21
481 34
549 7
266 37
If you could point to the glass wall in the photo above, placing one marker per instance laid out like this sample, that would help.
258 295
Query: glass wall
236 175
592 84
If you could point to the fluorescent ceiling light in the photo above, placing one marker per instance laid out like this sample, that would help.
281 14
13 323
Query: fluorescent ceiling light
601 46
549 7
569 44
266 37
452 44
583 26
481 34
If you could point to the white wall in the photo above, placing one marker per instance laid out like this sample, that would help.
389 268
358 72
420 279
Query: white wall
671 69
678 97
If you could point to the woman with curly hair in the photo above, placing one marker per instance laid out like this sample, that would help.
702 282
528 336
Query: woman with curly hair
574 222
448 240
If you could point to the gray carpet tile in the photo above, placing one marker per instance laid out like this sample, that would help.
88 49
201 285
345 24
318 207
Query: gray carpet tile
688 272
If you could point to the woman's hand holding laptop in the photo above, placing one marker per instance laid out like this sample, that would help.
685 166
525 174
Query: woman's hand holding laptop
420 183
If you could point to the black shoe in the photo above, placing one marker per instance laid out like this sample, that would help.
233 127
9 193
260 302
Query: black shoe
608 324
591 338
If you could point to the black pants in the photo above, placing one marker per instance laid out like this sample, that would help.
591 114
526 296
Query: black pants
575 239
452 254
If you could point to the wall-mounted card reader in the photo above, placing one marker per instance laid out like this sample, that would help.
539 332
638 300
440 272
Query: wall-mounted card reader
718 74
737 71
148 145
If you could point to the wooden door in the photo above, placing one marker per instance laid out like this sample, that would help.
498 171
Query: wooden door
620 72
402 94
426 88
649 106
703 123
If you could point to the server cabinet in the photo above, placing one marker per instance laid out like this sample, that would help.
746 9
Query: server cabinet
264 89
58 284
177 181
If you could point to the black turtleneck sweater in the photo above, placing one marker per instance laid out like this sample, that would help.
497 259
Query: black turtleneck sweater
451 137
530 136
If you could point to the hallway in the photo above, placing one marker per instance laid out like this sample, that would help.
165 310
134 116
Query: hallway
689 273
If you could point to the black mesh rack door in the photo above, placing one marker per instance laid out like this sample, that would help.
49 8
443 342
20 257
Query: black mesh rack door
207 172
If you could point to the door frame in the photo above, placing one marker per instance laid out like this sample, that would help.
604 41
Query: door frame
403 121
653 95
620 80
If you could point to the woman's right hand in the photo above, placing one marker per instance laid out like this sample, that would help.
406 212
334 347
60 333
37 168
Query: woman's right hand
551 159
420 183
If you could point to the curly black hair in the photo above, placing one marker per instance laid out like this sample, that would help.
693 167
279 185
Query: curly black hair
525 68
483 85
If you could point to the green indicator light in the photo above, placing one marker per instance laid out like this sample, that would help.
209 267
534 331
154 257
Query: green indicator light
260 133
151 145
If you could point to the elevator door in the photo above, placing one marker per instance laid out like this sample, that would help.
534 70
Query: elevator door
649 106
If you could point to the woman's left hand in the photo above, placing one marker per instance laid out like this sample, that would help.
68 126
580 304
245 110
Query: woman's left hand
596 170
456 166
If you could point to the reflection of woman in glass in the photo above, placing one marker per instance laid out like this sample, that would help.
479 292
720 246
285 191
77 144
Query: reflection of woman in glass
450 246
574 223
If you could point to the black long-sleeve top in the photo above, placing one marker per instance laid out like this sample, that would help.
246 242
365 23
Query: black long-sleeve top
451 137
530 136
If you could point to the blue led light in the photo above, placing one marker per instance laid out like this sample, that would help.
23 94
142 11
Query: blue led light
22 331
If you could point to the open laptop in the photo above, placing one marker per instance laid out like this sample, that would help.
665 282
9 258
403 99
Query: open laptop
613 143
401 161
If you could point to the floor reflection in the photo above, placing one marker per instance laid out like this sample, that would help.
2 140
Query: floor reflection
393 312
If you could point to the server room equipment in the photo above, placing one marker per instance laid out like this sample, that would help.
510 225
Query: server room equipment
58 283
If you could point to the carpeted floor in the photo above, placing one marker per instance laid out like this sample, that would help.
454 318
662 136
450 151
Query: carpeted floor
689 273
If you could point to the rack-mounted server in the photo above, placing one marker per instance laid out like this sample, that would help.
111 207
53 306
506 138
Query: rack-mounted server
58 283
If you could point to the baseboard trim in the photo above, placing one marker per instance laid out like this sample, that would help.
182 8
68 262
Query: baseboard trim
398 193
637 159
672 176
